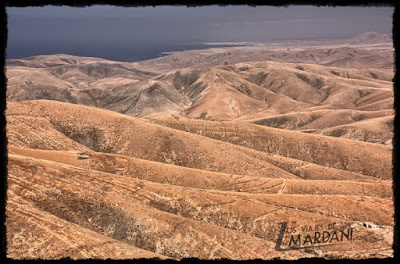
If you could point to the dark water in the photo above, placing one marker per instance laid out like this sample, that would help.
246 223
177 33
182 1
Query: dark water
121 52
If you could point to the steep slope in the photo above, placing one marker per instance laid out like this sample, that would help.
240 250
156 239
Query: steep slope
126 200
110 132
327 183
221 153
50 237
65 77
269 93
214 150
326 151
161 218
369 126
222 92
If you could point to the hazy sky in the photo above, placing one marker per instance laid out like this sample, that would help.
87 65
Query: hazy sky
136 33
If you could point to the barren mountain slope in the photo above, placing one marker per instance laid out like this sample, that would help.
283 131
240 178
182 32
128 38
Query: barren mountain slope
129 204
162 219
325 151
369 126
65 77
346 57
371 38
208 154
328 183
246 91
107 131
268 93
34 232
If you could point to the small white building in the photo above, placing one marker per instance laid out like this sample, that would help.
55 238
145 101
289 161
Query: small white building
82 155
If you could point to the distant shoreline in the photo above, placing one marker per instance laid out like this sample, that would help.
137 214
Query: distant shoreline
148 51
139 53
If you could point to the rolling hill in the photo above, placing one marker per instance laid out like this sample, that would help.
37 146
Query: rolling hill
282 95
152 190
226 153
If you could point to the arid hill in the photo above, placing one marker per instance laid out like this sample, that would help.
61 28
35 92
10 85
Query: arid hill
283 95
371 38
65 77
272 150
369 126
184 188
368 50
347 57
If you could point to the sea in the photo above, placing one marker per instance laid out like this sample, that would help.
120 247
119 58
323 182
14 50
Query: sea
124 53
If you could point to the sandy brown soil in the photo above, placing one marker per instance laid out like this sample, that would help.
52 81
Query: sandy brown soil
220 153
127 200
339 102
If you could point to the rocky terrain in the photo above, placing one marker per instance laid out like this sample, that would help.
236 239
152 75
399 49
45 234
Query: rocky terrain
203 158
181 193
305 97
